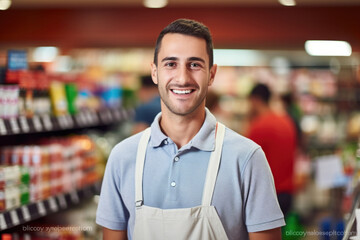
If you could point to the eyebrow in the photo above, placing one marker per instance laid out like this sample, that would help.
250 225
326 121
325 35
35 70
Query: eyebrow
189 59
169 59
196 59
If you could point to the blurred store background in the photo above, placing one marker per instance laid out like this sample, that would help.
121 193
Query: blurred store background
70 74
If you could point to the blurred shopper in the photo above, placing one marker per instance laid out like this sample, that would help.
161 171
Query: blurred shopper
187 176
149 106
276 134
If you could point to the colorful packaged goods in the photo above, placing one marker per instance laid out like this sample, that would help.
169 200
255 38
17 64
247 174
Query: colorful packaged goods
55 166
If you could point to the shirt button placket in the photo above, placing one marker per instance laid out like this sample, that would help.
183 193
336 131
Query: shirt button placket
174 179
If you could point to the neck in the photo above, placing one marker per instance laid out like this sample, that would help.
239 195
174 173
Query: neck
264 109
181 129
259 111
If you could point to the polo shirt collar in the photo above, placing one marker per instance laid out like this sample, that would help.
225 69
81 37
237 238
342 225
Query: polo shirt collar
204 140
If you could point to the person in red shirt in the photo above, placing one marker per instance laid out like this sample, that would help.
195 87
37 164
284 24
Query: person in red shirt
276 134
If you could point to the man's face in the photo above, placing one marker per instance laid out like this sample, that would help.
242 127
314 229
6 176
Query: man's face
182 73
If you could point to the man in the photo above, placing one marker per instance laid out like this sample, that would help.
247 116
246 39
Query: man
276 134
188 177
149 107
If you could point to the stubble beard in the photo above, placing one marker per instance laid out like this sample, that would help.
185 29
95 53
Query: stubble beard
172 109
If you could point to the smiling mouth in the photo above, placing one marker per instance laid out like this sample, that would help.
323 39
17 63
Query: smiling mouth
182 92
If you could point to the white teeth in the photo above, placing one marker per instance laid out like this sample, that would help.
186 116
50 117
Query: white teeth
181 91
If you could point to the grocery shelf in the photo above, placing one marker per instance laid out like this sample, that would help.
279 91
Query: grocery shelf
33 211
47 123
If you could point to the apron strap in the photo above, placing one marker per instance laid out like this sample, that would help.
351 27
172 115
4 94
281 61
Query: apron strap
213 166
139 166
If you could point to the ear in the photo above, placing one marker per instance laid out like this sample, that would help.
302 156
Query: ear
213 70
154 73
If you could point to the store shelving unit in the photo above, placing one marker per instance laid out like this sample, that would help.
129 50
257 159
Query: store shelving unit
47 123
33 211
54 125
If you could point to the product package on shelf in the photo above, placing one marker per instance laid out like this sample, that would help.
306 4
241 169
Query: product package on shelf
36 92
14 186
9 97
55 166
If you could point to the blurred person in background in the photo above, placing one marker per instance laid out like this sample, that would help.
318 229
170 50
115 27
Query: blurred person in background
149 104
276 134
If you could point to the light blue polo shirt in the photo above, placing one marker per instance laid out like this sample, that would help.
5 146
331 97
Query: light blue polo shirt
244 194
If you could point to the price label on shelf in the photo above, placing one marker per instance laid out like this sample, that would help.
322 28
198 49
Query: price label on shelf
84 120
47 122
3 130
117 114
95 117
62 201
102 117
3 224
41 208
69 121
105 116
24 124
125 114
37 124
25 213
61 122
52 204
14 125
109 115
14 217
78 120
74 196
89 117
65 121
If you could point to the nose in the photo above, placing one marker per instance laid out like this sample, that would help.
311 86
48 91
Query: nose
183 75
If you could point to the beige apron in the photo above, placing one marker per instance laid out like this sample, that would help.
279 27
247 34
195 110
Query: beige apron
201 222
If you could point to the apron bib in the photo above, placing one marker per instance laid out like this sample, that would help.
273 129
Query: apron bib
196 223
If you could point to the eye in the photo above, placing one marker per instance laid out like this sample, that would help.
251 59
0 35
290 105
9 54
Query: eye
195 65
170 64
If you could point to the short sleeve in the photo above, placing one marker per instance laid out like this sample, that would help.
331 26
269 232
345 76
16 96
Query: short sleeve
262 210
111 212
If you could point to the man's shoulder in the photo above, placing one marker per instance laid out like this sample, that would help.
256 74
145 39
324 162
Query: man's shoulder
127 148
238 142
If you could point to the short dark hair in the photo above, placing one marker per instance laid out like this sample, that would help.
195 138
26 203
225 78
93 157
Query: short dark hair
262 92
190 28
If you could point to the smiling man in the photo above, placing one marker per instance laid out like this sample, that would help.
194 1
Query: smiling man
187 176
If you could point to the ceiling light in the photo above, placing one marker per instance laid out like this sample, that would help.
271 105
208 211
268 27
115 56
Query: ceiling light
288 3
155 3
45 54
5 4
328 48
238 57
280 65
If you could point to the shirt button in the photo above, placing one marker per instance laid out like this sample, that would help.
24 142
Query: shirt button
176 159
173 184
165 142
